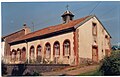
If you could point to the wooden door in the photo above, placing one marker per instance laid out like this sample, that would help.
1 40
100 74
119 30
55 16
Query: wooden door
95 54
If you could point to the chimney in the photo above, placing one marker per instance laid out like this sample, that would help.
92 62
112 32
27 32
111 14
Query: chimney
26 28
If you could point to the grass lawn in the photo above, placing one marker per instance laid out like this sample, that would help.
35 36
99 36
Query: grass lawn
91 73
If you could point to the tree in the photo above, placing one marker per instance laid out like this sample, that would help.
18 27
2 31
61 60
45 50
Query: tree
111 65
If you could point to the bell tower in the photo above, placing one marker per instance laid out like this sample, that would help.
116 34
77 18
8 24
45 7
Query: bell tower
67 16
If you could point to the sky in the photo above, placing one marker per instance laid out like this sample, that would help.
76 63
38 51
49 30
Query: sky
44 14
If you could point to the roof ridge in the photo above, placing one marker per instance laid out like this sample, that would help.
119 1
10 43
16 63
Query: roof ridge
51 29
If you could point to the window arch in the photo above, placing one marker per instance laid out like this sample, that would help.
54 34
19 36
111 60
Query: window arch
18 49
32 50
39 49
47 50
56 49
23 49
66 48
14 51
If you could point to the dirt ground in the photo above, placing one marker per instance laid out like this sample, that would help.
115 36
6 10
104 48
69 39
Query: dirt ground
71 71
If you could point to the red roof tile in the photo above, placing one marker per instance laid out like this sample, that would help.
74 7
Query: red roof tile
12 33
51 29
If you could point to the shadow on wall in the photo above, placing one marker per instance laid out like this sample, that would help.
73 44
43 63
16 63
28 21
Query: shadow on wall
18 70
22 70
32 69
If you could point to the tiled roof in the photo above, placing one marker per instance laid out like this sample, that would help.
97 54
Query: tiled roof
12 33
50 29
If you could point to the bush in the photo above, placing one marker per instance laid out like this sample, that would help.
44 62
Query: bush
32 73
18 70
36 74
111 65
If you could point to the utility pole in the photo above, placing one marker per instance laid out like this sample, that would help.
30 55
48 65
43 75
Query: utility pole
33 26
119 22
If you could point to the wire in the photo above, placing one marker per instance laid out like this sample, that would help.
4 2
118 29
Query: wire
94 8
107 12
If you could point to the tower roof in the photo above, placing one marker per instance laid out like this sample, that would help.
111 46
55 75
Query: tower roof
67 13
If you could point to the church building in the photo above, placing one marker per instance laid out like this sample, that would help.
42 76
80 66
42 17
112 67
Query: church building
72 42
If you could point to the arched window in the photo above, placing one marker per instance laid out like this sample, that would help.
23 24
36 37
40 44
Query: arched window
23 54
18 54
66 48
39 48
47 50
32 52
56 48
13 54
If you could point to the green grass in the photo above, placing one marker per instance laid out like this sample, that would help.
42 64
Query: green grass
91 73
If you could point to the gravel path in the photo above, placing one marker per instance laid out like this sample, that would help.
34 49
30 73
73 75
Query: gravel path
71 71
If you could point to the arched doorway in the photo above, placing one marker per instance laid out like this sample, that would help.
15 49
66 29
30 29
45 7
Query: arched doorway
47 52
66 51
32 55
56 51
23 54
39 54
18 56
13 56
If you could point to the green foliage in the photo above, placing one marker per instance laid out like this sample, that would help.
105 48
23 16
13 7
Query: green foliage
111 65
34 73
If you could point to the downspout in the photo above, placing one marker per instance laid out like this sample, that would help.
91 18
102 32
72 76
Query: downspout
5 51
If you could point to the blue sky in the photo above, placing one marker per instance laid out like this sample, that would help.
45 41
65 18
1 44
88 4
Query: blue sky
44 14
